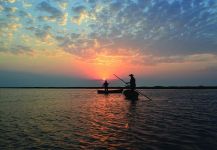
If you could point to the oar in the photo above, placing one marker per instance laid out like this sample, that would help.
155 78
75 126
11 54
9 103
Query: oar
135 90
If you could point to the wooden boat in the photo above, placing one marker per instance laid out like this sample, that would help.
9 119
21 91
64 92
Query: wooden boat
131 95
109 91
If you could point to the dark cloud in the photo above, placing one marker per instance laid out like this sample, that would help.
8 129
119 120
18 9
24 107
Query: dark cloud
77 46
116 6
27 79
17 49
61 1
21 49
78 9
46 7
10 10
43 33
23 13
31 28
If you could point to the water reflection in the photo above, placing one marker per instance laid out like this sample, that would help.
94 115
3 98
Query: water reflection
131 114
82 119
110 121
106 115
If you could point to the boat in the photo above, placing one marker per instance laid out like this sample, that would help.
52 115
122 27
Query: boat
131 95
109 91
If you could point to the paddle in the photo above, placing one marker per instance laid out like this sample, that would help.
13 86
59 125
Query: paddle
135 90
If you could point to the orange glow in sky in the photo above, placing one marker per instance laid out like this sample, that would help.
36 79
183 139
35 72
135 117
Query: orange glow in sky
103 67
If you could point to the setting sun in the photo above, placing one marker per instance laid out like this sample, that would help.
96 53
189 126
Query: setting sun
103 66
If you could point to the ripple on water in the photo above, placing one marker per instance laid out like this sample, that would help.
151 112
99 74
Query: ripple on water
81 119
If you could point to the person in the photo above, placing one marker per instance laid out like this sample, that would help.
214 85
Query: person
105 84
132 82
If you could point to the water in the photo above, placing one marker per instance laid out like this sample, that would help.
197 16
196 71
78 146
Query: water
82 119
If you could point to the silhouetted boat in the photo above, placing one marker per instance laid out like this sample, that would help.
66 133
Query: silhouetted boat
132 95
109 91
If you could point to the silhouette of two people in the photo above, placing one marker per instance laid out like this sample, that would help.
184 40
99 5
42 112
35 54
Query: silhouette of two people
105 84
132 82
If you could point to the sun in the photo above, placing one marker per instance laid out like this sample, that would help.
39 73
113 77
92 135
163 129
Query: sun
103 66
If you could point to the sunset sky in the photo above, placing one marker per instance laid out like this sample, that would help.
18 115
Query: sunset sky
80 42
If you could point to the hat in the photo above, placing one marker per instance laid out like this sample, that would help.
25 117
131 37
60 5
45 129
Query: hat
131 75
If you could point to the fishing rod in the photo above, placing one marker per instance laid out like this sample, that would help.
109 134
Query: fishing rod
135 90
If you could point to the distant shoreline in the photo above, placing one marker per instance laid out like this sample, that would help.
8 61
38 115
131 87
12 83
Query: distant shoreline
150 87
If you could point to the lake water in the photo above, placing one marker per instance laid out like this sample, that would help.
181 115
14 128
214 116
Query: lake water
82 119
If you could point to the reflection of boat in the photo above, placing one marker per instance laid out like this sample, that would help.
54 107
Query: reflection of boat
109 91
132 95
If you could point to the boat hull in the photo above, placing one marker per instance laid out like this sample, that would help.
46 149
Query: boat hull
132 95
109 92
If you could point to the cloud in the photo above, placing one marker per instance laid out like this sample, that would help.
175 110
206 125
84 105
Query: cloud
11 1
116 6
193 58
64 19
43 34
46 7
168 32
23 78
13 17
202 57
79 9
82 15
10 9
21 49
156 28
78 46
17 49
13 26
47 18
26 4
55 15
63 4
8 29
52 11
1 8
25 14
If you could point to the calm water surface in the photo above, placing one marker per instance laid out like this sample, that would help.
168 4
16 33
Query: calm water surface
82 119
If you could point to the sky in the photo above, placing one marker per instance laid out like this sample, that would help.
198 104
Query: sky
83 42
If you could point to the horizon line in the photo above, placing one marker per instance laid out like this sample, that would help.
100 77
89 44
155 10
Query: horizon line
112 87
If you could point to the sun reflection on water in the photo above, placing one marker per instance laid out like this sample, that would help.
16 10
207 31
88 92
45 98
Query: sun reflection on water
106 114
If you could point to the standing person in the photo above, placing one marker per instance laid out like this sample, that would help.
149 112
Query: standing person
132 82
105 84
